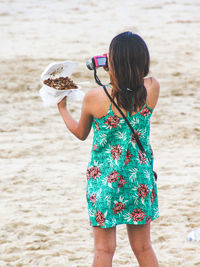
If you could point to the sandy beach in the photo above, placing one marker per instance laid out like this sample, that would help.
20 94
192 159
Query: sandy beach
43 208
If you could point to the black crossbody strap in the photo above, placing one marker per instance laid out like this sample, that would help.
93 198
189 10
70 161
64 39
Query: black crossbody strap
134 133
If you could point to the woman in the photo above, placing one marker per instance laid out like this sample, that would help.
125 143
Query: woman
121 188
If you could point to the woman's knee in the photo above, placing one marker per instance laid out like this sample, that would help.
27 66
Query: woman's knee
139 238
105 240
140 248
108 249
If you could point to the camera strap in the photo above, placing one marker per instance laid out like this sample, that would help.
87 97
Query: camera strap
134 133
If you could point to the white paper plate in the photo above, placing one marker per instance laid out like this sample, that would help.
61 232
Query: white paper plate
51 96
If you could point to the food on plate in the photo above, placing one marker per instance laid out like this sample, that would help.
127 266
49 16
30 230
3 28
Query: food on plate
61 83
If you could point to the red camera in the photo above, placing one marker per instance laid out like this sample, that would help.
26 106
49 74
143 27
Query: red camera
98 61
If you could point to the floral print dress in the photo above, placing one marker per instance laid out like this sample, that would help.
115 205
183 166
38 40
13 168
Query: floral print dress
121 188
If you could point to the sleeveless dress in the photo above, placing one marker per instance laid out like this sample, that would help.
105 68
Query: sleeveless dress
121 188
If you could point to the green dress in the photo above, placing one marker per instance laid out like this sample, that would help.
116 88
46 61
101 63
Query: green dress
121 188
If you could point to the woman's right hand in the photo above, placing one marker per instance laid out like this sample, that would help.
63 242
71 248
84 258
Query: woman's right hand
62 104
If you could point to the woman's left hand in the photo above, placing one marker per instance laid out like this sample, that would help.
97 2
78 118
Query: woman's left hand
62 103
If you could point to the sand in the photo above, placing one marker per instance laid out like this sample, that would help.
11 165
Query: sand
43 209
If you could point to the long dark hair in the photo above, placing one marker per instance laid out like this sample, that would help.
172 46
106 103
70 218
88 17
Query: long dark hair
129 64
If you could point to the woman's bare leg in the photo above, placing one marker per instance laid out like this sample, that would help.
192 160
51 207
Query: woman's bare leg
104 246
139 238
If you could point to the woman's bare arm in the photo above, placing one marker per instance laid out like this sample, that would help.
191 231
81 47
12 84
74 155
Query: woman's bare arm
82 128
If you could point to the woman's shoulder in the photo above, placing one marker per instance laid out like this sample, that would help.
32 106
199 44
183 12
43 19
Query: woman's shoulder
153 88
94 94
151 82
97 102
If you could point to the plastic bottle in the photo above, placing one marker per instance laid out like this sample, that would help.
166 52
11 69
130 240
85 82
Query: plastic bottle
194 235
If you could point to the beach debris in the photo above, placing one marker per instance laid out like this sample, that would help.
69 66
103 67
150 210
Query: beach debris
194 235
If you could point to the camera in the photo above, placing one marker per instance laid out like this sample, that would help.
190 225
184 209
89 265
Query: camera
98 61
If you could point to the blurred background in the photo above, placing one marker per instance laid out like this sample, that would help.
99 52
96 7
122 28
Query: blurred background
43 208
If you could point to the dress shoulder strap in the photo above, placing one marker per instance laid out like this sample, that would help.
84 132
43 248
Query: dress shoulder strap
110 86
